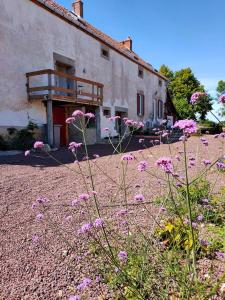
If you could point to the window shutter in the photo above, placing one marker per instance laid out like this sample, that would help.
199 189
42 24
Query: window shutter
143 105
138 104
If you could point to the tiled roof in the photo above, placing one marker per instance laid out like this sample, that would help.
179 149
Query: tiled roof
85 26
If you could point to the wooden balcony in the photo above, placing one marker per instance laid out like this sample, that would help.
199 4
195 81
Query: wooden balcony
59 86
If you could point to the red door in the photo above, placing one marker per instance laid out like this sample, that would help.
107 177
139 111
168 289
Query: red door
59 117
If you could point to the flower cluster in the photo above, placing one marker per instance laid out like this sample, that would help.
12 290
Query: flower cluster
128 157
85 283
165 163
38 145
139 197
222 99
188 126
73 146
142 166
220 165
122 255
197 96
204 141
89 226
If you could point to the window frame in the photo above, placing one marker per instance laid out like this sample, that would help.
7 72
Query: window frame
105 48
140 72
140 104
160 109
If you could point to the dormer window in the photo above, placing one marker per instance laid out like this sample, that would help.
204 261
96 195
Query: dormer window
105 52
140 72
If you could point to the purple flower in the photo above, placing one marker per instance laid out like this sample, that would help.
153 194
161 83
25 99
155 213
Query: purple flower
77 113
222 99
165 134
40 216
84 197
195 225
41 200
73 146
188 126
141 141
205 201
27 152
76 297
70 120
89 115
200 218
38 145
206 162
35 238
165 163
220 254
122 255
85 228
204 243
139 197
142 166
122 212
127 157
85 283
34 205
220 165
197 96
98 222
75 202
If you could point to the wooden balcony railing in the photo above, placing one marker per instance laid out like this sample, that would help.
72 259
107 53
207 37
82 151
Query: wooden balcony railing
61 86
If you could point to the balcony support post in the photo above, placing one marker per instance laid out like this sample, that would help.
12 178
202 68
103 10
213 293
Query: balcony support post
50 122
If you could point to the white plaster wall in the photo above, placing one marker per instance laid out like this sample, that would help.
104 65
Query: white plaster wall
29 35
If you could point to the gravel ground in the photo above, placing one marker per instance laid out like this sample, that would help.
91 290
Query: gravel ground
42 271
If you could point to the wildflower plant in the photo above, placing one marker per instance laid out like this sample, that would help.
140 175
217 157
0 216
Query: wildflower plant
147 245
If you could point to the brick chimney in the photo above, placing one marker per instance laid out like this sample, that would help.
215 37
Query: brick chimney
78 8
127 43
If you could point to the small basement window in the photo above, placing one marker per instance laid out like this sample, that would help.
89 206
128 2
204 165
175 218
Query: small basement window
105 52
107 112
140 72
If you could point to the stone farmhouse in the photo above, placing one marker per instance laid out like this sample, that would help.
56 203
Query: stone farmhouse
53 61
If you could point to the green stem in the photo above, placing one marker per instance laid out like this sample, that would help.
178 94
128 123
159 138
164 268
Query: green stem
190 211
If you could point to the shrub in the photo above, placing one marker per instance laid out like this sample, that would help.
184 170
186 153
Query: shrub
22 139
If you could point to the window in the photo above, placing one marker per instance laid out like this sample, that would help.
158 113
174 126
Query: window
140 104
105 52
140 72
160 109
160 82
107 112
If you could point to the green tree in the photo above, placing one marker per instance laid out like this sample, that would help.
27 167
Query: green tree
221 86
166 71
220 89
181 86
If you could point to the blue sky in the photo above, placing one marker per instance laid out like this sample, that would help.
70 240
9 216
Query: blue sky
178 33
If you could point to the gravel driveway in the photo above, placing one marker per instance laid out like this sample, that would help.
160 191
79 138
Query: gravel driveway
41 271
